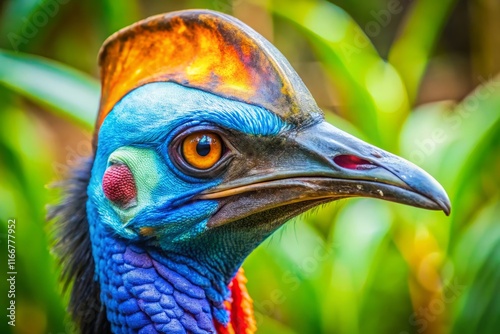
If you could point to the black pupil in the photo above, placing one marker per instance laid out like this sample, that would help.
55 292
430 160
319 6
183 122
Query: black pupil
203 146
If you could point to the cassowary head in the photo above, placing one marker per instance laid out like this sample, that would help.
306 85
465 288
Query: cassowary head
206 142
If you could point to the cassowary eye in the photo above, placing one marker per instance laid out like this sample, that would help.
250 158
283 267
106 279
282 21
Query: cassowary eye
202 150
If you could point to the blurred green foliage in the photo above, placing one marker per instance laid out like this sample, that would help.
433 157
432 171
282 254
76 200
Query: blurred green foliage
356 266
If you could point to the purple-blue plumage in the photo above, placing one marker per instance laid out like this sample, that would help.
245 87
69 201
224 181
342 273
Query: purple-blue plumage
140 287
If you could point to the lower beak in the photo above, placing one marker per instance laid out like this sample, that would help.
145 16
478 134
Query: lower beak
323 163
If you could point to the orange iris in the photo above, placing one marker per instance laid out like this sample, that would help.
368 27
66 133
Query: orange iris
202 150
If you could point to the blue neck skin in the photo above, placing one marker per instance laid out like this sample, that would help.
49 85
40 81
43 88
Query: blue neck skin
175 282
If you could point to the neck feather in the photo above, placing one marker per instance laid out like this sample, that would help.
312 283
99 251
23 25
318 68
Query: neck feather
145 290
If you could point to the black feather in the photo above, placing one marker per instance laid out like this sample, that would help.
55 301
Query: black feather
74 250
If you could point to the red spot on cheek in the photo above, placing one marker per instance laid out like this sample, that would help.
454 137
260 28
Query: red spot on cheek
119 186
353 162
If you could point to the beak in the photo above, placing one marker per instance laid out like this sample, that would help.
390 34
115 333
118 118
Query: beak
318 164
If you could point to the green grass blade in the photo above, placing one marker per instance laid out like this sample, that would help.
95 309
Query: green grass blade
477 256
23 197
413 47
61 89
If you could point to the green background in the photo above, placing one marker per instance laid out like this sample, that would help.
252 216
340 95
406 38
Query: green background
417 78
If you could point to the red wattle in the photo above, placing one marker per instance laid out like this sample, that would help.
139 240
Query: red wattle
240 307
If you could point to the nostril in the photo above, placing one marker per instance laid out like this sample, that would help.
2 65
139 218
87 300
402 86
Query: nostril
353 162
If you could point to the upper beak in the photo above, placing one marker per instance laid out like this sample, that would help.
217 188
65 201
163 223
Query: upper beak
322 163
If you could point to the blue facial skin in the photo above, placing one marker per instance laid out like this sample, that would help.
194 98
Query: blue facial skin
176 280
